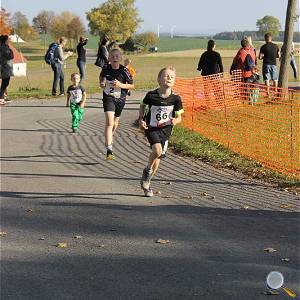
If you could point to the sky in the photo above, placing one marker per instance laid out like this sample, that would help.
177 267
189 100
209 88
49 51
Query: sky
188 16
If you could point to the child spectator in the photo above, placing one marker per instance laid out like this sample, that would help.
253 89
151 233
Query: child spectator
164 109
76 99
115 80
127 64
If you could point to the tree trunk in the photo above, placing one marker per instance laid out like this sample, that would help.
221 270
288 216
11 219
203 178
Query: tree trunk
45 34
287 44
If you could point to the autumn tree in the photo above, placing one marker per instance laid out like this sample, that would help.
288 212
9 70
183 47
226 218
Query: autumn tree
60 24
75 29
4 22
20 26
268 24
117 19
68 25
146 39
43 21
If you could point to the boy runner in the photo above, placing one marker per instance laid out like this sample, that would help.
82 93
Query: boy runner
76 99
164 109
115 81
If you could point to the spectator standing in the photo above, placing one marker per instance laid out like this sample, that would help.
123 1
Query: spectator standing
81 59
245 60
269 53
103 54
210 61
6 65
57 66
249 39
293 61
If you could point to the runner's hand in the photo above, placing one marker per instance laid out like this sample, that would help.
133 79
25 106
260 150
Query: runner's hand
117 83
143 124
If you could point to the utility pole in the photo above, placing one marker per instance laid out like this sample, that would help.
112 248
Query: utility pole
287 43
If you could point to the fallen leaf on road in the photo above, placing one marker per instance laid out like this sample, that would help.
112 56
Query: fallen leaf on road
77 237
162 241
270 293
61 245
116 217
157 192
194 172
41 239
101 246
3 233
112 229
270 249
187 197
29 210
245 207
285 259
286 205
166 197
203 194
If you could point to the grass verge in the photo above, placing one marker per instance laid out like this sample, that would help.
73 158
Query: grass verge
189 143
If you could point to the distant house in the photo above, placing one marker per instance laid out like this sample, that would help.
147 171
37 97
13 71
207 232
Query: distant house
16 39
19 62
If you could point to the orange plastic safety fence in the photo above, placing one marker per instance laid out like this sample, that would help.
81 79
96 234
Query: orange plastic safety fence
246 118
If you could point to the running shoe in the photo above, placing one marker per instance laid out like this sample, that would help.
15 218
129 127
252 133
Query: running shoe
148 193
146 179
110 155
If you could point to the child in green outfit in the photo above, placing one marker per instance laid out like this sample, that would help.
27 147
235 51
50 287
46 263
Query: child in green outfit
76 99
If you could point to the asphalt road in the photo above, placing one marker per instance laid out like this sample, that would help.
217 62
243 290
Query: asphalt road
57 187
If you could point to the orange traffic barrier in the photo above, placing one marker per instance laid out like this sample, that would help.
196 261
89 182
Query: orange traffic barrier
245 118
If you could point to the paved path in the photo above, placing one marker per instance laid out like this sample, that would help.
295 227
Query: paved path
57 185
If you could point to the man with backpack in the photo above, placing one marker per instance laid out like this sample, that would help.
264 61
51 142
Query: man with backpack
55 57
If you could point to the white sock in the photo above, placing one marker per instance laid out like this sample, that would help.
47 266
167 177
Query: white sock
109 147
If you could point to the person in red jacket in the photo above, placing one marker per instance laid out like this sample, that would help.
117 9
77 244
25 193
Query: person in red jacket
244 62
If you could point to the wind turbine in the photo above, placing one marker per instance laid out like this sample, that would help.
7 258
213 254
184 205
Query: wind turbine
172 31
158 29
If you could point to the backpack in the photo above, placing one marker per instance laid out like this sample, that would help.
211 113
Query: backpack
49 56
249 64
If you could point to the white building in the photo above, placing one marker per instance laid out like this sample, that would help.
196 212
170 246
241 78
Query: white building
19 63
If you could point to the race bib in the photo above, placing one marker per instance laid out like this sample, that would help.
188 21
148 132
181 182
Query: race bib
75 96
111 90
161 115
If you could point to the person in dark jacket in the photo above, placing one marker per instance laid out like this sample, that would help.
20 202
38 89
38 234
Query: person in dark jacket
210 61
57 66
102 55
6 65
81 59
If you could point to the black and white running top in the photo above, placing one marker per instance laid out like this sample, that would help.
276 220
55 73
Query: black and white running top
75 93
161 110
122 74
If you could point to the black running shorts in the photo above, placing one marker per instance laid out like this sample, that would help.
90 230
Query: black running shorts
113 104
158 135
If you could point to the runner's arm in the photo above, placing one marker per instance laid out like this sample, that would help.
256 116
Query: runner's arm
82 104
68 100
142 123
102 81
